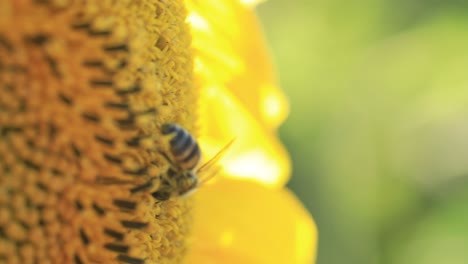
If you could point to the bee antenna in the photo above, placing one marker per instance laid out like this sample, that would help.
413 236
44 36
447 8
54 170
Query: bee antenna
216 157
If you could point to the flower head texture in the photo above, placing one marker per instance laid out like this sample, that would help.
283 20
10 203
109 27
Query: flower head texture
85 87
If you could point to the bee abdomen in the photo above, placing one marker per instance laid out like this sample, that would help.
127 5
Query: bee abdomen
181 143
190 161
184 148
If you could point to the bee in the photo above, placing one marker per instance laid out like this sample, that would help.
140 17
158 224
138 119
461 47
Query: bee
182 178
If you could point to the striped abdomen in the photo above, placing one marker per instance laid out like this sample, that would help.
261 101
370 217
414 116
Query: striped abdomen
184 148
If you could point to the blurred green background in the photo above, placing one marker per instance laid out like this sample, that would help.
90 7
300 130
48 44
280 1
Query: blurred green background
378 130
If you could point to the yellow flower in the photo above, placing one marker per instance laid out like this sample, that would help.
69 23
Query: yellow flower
246 217
85 87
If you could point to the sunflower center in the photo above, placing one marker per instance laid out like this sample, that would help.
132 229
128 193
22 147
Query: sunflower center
84 88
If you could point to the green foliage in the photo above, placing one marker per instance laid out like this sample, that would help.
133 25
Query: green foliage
378 130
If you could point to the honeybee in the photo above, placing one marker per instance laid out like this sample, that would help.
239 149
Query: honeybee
183 176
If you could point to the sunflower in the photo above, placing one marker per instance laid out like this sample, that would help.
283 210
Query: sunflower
85 87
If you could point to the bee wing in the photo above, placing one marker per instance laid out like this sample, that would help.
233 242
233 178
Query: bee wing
209 176
213 160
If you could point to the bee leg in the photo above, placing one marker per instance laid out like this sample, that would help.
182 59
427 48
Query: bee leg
145 186
166 157
162 195
164 191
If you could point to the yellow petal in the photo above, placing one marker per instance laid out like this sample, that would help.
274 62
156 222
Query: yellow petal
233 53
256 154
243 222
239 96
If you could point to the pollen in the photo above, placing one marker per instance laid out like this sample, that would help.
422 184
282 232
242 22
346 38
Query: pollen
84 89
